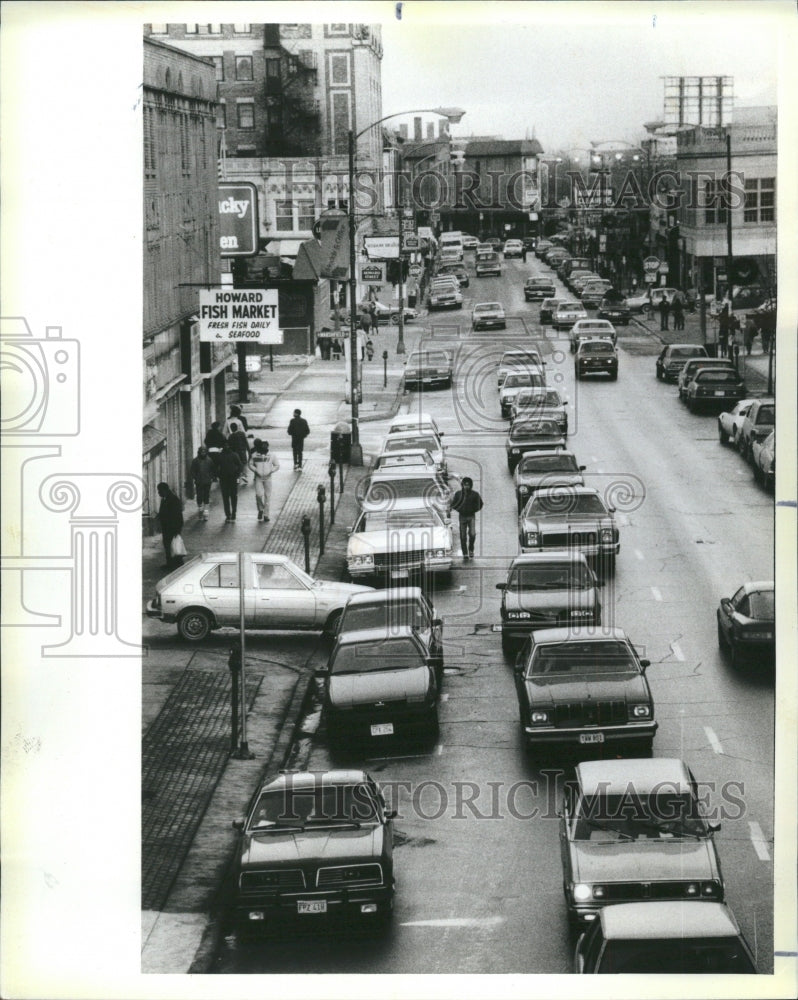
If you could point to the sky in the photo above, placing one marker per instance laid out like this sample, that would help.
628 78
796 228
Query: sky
568 73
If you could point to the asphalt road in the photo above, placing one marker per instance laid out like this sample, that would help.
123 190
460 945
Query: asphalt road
479 876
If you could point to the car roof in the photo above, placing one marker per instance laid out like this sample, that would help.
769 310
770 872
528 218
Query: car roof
572 490
365 635
385 596
311 779
405 453
406 418
530 558
549 635
396 505
619 777
488 305
754 586
547 453
229 557
676 919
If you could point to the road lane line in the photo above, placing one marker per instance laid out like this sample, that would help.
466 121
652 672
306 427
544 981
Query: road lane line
456 922
714 742
656 592
639 555
758 840
677 651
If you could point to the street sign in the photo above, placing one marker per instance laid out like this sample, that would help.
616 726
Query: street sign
382 247
408 226
651 265
333 234
650 278
372 273
249 315
663 268
415 270
425 232
411 242
238 219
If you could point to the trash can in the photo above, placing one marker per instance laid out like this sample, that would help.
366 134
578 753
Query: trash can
341 443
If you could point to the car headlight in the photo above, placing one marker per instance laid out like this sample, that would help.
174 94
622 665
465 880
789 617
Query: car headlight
531 537
606 535
362 560
641 711
519 614
523 489
513 451
539 717
581 892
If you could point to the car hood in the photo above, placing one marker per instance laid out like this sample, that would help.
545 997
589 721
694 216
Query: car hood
550 689
536 480
351 690
329 844
644 860
338 591
567 520
397 540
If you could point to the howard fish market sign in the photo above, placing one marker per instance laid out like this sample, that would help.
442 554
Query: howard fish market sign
238 219
246 314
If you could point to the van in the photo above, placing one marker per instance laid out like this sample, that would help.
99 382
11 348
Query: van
452 241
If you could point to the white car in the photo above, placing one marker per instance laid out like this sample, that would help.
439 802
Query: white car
412 460
415 423
515 358
584 329
513 248
566 314
389 489
520 378
399 541
417 440
649 300
488 315
444 293
729 423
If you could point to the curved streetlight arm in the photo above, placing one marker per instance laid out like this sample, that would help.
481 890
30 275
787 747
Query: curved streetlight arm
453 114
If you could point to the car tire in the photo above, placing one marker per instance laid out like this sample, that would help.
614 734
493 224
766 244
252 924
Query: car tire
194 625
331 625
691 405
722 643
614 377
510 466
723 437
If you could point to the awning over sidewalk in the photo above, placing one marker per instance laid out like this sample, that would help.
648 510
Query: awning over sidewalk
152 440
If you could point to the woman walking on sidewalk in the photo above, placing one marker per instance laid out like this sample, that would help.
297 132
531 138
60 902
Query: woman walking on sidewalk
202 473
170 514
263 465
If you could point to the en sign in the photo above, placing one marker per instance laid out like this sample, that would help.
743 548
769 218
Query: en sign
238 219
246 314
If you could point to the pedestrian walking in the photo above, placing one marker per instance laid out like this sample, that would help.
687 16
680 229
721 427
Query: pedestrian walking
235 416
263 466
229 471
664 309
214 442
678 312
365 320
523 253
724 329
170 515
298 430
468 503
202 473
749 334
237 440
369 349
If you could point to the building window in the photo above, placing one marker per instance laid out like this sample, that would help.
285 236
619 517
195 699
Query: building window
246 115
218 62
272 69
760 199
284 217
221 115
242 29
306 215
714 203
191 29
159 29
243 67
340 122
209 29
149 143
339 69
185 147
338 29
430 130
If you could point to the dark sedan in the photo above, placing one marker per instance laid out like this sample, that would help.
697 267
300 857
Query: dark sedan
542 469
532 435
538 288
614 308
746 623
715 387
672 359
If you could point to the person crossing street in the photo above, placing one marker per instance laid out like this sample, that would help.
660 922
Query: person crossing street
468 503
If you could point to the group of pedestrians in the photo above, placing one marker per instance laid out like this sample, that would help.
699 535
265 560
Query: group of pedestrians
676 306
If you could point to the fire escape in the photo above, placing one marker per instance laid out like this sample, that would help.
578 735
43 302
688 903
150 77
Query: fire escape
293 110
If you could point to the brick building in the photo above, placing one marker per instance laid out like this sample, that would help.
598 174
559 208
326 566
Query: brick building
184 381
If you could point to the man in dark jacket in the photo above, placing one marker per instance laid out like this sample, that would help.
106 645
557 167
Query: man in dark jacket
170 514
468 503
214 442
202 473
229 470
237 440
298 430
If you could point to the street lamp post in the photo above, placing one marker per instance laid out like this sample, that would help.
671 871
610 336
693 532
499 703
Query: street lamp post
454 115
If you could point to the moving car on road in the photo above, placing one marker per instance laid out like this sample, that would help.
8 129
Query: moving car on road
428 366
414 440
566 314
488 263
455 270
596 357
444 293
386 490
633 829
532 434
729 424
514 383
615 308
488 316
573 518
315 846
404 540
746 622
585 329
204 594
542 469
540 401
538 288
581 688
526 358
513 248
693 365
548 308
593 293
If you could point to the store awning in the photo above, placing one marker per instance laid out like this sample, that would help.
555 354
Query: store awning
284 248
152 439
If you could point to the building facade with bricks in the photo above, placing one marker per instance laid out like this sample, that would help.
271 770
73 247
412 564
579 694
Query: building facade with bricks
184 380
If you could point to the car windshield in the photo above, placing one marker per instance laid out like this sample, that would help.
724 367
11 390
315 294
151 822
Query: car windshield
487 307
549 576
606 656
565 501
389 614
665 814
323 805
542 398
676 955
384 491
717 376
766 415
429 358
530 431
398 520
519 358
549 463
516 379
425 442
600 347
372 657
762 604
569 307
686 352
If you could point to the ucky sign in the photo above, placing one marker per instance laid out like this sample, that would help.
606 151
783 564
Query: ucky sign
246 314
238 219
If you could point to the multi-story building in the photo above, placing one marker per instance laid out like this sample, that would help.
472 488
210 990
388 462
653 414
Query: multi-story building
184 380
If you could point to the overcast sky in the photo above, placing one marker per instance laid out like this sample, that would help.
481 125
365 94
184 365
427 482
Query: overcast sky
569 73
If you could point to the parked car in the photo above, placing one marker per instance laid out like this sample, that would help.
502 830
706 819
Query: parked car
488 316
428 366
692 365
494 243
596 357
513 248
538 288
579 689
380 682
469 242
398 607
532 434
204 594
566 313
763 459
554 257
314 845
757 424
714 387
681 936
615 308
586 329
746 622
574 264
399 541
543 469
519 357
450 255
444 293
456 270
648 300
633 829
515 382
546 589
410 460
386 490
578 279
593 293
386 314
540 401
413 422
547 309
729 424
404 440
488 263
542 247
672 358
570 517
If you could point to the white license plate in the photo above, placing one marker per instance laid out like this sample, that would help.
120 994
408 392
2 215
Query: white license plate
719 392
399 574
591 737
382 729
311 906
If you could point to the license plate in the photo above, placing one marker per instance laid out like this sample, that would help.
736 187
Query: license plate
382 729
311 906
591 737
720 392
399 574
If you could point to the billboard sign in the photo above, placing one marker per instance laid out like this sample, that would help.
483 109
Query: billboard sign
238 219
250 315
382 247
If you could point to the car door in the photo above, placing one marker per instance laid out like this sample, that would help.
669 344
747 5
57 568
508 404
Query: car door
282 599
728 609
222 595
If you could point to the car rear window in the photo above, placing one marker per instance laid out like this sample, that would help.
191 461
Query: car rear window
711 376
549 463
529 431
600 347
550 576
391 614
607 657
762 604
766 415
565 501
371 657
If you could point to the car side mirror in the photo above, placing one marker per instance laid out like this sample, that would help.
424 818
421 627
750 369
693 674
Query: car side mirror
582 468
391 813
645 663
501 586
238 824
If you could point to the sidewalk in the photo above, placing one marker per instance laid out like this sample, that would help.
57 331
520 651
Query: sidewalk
191 787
